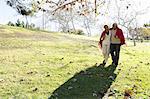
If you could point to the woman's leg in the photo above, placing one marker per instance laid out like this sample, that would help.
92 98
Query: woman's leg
107 52
104 51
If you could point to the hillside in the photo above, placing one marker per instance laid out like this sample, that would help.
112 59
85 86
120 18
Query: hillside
38 65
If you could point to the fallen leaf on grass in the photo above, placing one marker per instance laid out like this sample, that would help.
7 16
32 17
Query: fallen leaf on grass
1 80
35 89
62 58
21 80
71 62
74 80
48 75
111 77
32 72
70 87
128 93
94 95
147 64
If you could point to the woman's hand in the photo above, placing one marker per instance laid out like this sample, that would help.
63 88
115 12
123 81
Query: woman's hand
100 44
126 45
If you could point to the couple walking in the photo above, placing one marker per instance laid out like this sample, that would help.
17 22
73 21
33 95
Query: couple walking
111 40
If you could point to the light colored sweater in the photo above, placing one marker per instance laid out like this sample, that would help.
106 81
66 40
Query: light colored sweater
114 38
107 39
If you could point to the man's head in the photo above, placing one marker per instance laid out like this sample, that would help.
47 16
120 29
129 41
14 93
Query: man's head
115 26
106 28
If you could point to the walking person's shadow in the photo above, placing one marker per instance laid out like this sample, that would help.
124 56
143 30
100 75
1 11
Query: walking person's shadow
92 83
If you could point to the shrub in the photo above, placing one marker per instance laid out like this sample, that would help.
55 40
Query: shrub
76 32
10 23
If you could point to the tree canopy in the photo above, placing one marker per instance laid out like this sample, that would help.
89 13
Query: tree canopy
21 6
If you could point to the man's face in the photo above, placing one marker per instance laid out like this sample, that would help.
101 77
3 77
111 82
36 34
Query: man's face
114 26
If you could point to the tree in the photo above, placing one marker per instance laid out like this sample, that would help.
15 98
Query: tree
77 32
22 24
127 17
67 12
145 33
22 7
18 23
146 25
79 8
133 34
63 19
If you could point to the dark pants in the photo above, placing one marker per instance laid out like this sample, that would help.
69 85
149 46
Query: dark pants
115 51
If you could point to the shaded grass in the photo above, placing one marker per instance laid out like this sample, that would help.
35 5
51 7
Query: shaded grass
34 64
88 84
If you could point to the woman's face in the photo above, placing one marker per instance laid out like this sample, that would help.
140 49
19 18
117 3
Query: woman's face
106 28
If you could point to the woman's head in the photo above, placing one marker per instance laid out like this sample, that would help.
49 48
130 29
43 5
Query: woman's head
106 28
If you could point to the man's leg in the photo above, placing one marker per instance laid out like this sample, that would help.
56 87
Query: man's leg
117 53
112 50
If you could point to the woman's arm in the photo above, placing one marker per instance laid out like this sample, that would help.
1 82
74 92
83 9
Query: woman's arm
102 38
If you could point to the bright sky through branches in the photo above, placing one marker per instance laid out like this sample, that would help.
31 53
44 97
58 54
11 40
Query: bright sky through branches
9 14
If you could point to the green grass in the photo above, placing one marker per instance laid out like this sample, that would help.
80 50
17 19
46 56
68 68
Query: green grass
38 65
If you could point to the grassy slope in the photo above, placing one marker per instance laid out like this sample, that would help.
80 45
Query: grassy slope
35 64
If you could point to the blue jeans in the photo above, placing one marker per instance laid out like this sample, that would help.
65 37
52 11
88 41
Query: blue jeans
115 52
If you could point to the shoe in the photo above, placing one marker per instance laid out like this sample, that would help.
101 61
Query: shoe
104 63
113 64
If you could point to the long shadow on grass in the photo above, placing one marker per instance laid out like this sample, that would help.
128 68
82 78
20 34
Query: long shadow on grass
92 83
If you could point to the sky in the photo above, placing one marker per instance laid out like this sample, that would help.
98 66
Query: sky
8 14
137 5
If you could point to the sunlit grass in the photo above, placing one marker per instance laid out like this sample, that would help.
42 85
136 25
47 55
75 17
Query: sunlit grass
34 63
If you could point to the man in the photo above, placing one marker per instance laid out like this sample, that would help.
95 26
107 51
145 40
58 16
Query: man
105 44
117 39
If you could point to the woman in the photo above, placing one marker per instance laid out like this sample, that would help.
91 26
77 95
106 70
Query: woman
104 43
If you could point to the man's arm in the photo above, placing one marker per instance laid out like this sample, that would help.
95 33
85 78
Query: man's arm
122 39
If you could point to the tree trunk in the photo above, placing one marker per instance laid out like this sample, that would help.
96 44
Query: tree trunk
87 26
27 24
72 21
127 35
134 42
73 24
89 29
43 21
